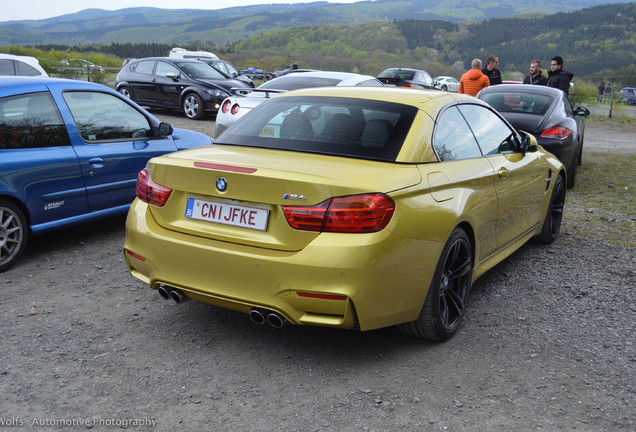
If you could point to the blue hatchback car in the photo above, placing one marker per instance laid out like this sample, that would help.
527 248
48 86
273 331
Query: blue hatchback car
70 152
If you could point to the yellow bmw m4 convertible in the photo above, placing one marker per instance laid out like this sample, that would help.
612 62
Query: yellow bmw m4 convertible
345 207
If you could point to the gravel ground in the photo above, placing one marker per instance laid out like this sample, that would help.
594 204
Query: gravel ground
547 345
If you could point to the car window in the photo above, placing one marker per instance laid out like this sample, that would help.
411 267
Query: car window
143 67
105 117
6 67
567 107
25 69
327 125
163 69
492 133
453 139
522 102
30 121
200 70
370 83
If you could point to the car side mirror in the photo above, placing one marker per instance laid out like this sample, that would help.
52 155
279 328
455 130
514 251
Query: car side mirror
528 142
582 111
173 76
165 129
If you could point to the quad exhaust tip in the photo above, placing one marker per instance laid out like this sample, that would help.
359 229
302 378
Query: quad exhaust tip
260 316
175 294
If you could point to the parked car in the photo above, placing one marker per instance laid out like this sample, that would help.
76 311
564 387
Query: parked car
347 208
446 83
546 113
257 73
406 77
20 65
627 95
70 152
228 70
237 105
189 85
82 64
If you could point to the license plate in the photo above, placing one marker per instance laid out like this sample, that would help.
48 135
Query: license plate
227 214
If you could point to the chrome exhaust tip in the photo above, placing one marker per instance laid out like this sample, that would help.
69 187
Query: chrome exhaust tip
178 296
257 316
276 320
164 292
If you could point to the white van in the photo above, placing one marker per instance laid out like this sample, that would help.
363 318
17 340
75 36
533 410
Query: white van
20 65
183 53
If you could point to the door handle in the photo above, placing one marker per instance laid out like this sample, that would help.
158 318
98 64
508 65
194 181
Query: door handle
96 162
503 172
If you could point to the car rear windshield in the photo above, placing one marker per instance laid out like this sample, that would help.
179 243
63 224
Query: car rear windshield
398 74
508 101
359 128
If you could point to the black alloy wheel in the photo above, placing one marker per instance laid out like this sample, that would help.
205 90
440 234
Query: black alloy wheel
445 303
554 215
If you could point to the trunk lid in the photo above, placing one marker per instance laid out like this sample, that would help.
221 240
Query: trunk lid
259 182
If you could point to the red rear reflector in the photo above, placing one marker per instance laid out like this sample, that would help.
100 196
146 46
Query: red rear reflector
134 255
222 167
322 296
150 192
407 85
559 133
350 214
226 106
235 109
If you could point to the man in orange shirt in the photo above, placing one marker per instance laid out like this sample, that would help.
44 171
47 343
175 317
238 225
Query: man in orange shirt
473 80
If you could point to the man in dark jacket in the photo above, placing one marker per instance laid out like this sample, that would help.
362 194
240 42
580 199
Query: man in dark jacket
535 76
491 71
557 77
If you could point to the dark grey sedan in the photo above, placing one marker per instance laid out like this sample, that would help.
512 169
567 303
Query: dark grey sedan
546 113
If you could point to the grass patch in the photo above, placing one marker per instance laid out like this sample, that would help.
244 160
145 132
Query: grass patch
603 202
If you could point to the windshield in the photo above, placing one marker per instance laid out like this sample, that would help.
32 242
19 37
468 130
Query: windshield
397 73
200 70
509 101
360 128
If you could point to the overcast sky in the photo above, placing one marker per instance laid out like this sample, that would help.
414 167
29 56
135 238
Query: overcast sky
40 9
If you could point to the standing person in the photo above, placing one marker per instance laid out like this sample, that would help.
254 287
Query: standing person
491 71
608 93
535 76
557 77
601 89
474 80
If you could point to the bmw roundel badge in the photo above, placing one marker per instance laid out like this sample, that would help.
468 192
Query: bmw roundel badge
221 184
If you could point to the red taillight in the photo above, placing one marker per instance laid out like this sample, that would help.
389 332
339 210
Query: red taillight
350 214
150 192
559 133
226 106
407 85
235 109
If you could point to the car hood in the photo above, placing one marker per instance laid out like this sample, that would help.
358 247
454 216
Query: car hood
225 84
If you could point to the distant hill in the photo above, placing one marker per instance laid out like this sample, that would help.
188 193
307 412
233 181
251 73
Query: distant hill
224 26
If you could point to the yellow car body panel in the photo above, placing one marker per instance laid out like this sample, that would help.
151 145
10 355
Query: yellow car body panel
342 280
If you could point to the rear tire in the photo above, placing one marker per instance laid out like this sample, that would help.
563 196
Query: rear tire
13 234
445 302
124 90
572 171
193 106
444 87
554 215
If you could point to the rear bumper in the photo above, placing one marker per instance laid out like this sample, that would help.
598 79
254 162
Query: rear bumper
377 279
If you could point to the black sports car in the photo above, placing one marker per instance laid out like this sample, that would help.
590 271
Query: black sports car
546 113
175 83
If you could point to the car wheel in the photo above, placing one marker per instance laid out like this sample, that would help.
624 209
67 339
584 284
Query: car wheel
13 234
126 92
572 171
193 106
552 222
445 87
445 302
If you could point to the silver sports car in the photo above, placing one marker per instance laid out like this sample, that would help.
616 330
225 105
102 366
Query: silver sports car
243 100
